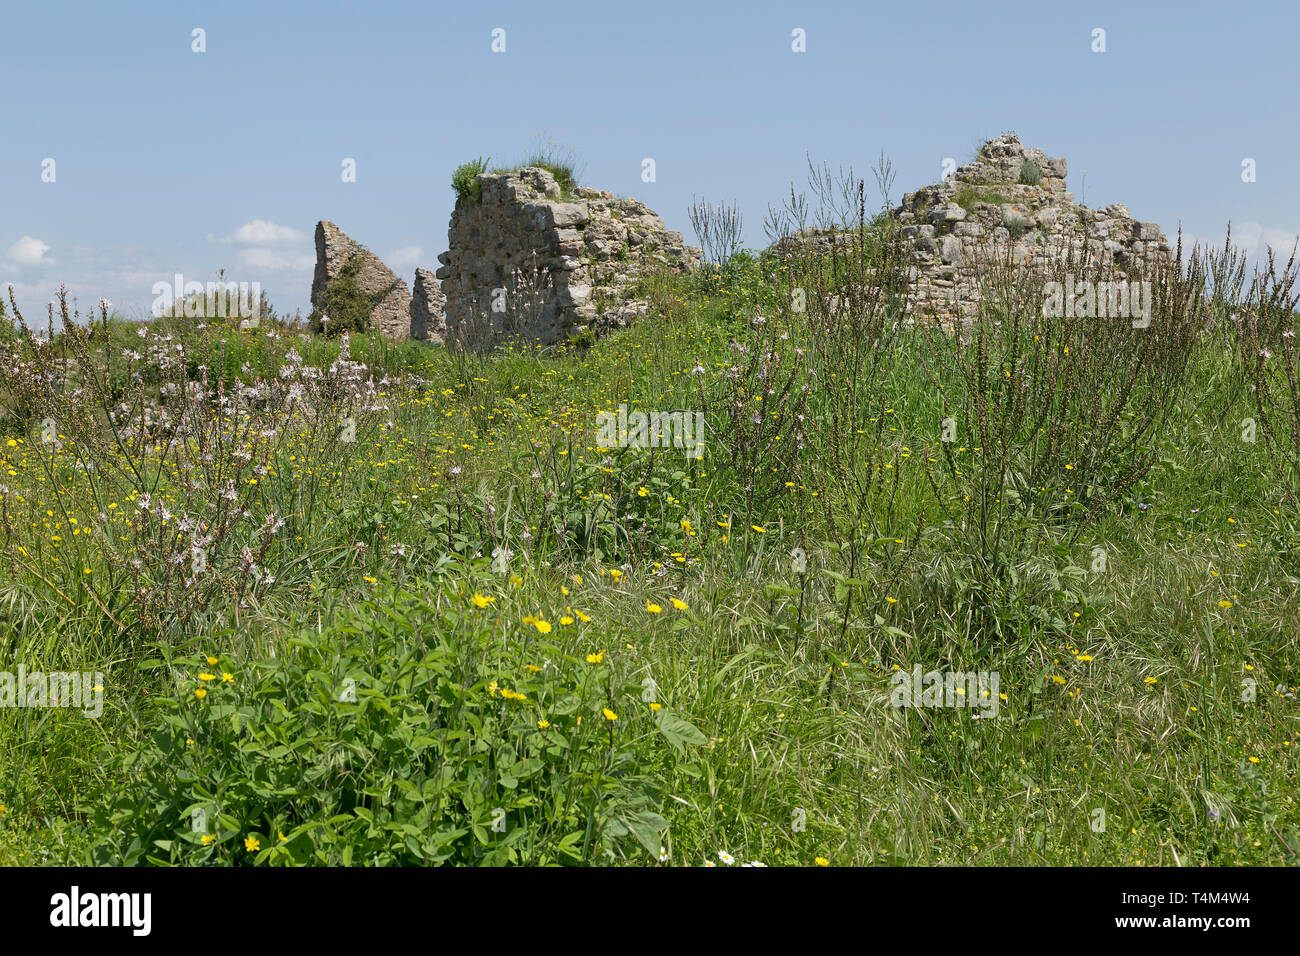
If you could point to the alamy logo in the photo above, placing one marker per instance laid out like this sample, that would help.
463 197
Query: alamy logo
55 689
1120 299
676 429
194 300
74 908
975 689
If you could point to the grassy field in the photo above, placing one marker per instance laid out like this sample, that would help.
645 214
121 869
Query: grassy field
375 603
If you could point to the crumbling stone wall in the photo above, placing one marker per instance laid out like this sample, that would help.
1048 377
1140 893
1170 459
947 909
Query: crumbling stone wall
983 212
1038 223
428 321
527 262
335 251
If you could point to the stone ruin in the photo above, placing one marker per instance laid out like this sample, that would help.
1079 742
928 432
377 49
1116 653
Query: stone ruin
428 317
984 211
335 252
526 262
985 208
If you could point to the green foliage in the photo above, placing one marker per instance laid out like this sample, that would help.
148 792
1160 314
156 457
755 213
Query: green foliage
564 163
346 304
968 196
761 596
1030 174
404 733
465 179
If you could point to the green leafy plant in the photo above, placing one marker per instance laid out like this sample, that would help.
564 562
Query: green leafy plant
465 179
411 738
347 305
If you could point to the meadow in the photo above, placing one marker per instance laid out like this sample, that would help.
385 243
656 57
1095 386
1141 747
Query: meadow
373 603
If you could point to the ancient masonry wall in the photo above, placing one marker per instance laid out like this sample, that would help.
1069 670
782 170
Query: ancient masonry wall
1037 223
983 212
334 250
527 262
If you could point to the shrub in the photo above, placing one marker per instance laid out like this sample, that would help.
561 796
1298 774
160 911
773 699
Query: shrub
1053 419
968 196
402 733
348 306
718 228
465 179
1030 174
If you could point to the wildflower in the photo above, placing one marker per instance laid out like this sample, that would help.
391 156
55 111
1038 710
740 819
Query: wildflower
726 857
663 855
252 844
609 714
227 677
652 608
566 620
1225 604
656 707
543 724
680 604
1150 680
201 693
480 601
543 627
279 835
582 617
760 530
492 689
207 677
616 574
597 657
208 839
822 861
212 662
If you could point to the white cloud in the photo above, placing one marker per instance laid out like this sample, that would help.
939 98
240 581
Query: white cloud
404 258
1252 238
28 251
275 260
262 232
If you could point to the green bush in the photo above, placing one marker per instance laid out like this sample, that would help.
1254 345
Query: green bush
968 196
404 733
348 306
1030 174
465 179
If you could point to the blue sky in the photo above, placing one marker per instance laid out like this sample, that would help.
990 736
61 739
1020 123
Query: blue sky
168 161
